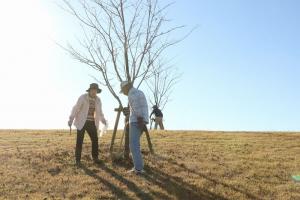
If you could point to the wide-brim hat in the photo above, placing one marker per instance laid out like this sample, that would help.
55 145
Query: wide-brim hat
94 86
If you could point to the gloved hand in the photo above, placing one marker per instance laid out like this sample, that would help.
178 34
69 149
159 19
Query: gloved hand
141 122
126 125
104 122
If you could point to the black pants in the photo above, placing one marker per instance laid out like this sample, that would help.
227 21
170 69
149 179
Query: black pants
90 127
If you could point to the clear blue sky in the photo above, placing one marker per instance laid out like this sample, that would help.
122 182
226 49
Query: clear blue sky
241 66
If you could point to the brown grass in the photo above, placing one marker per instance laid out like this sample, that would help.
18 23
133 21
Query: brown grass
187 165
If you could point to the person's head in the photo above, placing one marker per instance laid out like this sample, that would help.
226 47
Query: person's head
94 90
155 107
125 87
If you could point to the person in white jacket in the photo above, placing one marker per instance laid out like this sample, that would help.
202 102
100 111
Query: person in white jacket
87 114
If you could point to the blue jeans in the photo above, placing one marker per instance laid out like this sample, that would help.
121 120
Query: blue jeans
134 142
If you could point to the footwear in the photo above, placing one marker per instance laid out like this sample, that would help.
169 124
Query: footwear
97 161
78 163
137 172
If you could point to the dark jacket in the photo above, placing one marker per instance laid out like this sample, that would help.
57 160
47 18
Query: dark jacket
157 112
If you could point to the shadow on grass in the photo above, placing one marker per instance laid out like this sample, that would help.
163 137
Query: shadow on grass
119 193
177 187
173 186
131 185
169 186
213 180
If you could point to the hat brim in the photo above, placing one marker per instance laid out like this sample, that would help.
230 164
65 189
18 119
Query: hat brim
98 90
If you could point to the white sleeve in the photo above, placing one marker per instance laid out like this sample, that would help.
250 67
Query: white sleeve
76 108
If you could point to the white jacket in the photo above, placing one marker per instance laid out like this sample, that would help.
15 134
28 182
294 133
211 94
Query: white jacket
80 112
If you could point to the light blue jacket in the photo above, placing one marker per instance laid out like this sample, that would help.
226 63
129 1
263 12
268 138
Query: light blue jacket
138 105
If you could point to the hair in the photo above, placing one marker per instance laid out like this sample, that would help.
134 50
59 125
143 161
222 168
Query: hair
130 85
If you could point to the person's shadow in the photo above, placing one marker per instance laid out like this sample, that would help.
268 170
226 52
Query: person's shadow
119 193
171 187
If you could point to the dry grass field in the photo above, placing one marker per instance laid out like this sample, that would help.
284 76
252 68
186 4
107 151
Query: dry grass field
187 165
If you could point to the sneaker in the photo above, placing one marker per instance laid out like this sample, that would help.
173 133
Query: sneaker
97 161
78 163
136 172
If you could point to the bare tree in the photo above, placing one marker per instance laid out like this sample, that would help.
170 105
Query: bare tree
161 85
122 39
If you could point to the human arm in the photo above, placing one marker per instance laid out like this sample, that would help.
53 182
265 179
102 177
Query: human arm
75 110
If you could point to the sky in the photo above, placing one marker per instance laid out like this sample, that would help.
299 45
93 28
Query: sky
240 67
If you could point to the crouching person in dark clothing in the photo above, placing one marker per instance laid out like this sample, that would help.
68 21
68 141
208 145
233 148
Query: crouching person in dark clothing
158 117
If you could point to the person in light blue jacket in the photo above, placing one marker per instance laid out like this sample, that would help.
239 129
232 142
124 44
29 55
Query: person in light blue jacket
137 121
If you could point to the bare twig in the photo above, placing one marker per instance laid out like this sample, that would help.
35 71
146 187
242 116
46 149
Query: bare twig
123 40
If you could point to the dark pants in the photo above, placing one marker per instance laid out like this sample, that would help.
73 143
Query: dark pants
90 127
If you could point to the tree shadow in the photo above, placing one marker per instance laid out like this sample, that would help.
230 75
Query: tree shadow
213 180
